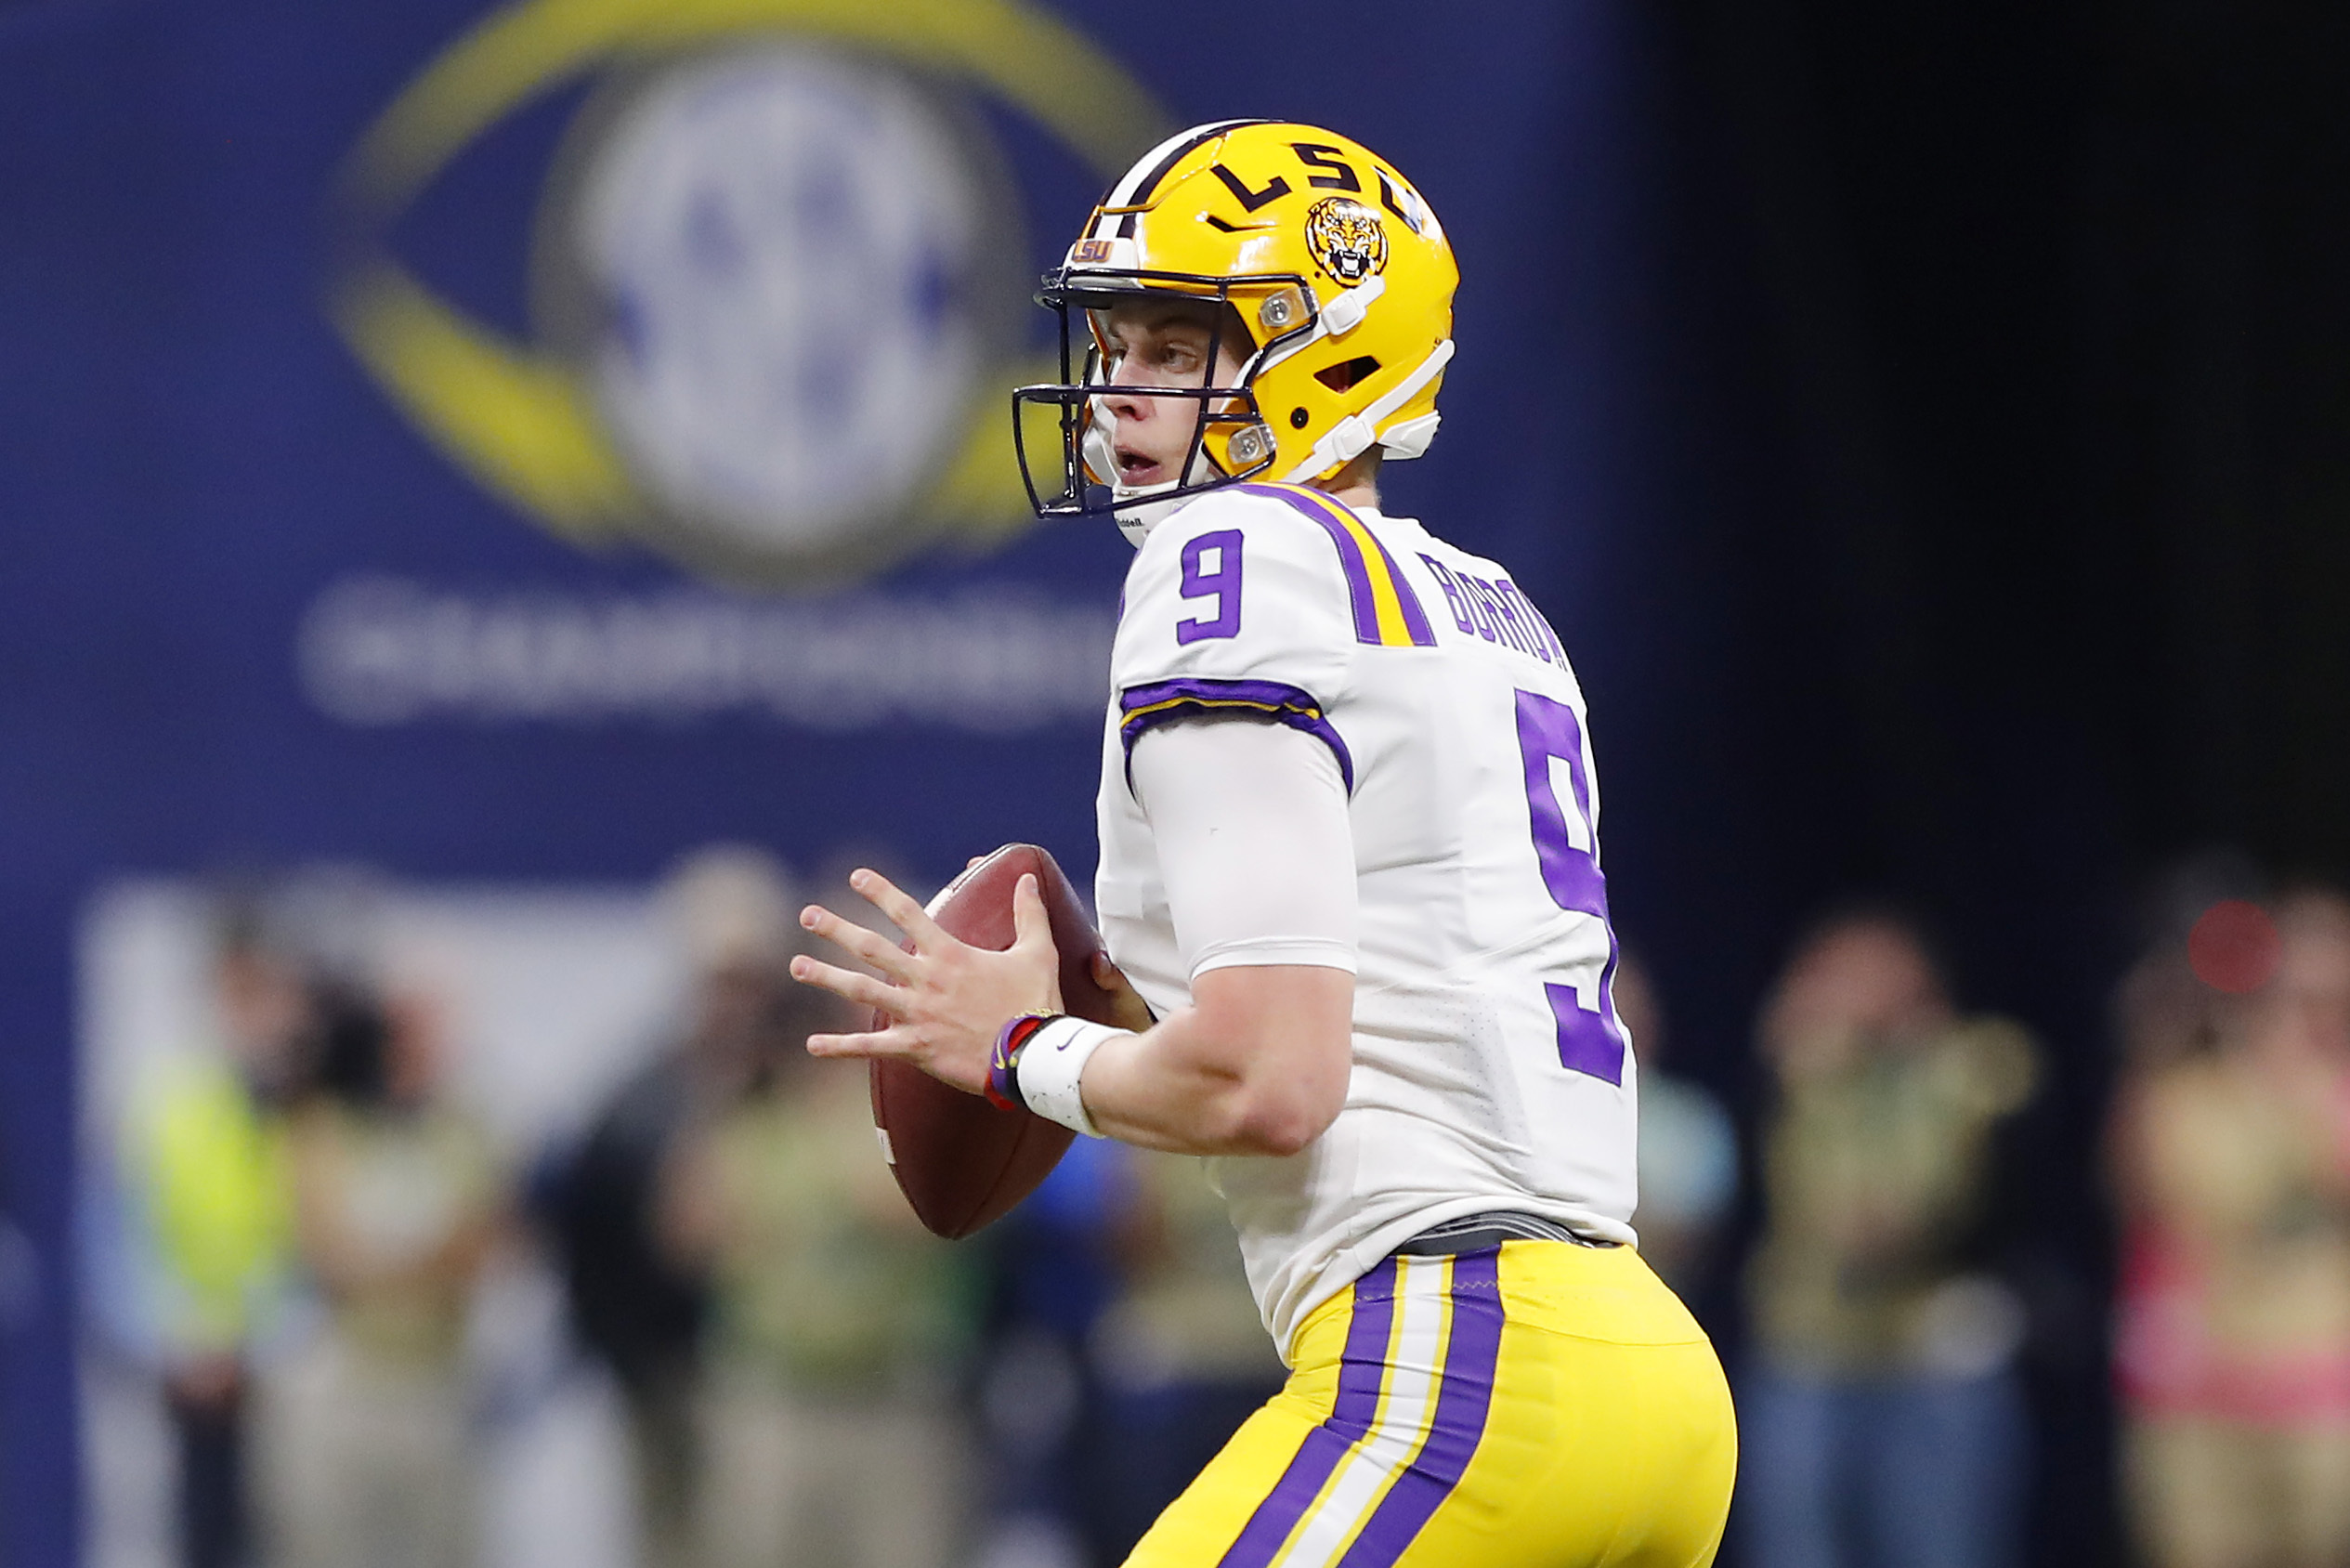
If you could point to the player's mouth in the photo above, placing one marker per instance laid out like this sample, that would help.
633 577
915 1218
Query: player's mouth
1136 469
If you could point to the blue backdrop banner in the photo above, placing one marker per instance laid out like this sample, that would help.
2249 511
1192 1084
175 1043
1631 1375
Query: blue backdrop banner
524 442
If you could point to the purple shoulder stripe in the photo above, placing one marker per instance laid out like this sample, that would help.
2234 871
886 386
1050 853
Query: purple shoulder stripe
1415 618
1144 707
1364 561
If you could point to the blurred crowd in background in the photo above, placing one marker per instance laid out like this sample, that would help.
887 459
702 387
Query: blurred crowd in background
801 1373
804 1376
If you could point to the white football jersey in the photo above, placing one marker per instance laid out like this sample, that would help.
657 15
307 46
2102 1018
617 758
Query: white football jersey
1490 1070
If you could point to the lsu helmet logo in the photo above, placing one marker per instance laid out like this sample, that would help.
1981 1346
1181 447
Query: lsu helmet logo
1346 239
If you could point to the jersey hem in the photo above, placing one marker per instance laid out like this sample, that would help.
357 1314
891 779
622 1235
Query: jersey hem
1351 1264
1259 952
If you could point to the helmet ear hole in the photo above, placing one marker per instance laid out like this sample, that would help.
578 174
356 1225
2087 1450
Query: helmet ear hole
1338 377
1300 419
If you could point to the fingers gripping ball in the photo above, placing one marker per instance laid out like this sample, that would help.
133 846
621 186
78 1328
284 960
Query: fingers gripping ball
961 1162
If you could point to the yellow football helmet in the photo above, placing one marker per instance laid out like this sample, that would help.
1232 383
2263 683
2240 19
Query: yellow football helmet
1335 268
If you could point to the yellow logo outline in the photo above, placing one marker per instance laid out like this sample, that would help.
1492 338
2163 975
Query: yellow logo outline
516 418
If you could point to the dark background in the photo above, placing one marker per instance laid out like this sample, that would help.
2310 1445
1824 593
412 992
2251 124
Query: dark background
2018 349
1925 424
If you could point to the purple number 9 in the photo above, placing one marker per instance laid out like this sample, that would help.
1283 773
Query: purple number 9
1223 583
1588 1042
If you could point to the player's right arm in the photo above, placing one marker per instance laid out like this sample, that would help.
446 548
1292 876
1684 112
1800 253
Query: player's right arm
1256 1065
1250 822
1235 641
1250 818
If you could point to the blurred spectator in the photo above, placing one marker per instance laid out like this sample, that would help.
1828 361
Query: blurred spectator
1883 1423
19 1293
1181 1353
1689 1149
397 1200
2232 1167
637 1301
205 1171
20 1268
1055 1271
831 1435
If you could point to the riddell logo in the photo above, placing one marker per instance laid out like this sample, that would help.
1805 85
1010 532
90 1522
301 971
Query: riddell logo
1091 251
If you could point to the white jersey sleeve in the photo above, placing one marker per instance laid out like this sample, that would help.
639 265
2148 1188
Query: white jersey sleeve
1237 604
1250 822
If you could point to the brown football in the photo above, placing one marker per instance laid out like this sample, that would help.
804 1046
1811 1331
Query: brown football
961 1162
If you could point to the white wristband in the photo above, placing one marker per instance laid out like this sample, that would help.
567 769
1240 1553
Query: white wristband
1050 1063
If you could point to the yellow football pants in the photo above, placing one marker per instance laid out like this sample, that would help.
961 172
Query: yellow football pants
1536 1406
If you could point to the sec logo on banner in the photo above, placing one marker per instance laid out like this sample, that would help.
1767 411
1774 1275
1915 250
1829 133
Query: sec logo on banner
776 281
784 274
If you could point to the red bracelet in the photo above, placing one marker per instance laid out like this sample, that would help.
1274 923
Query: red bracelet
1003 1066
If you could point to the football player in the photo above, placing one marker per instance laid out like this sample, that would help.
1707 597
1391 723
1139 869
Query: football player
1349 860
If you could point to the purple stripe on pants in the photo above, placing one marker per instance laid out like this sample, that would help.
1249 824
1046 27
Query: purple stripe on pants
1360 1370
1461 1408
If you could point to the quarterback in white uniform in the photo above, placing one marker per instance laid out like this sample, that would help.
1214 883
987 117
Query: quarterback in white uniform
1487 1070
1350 861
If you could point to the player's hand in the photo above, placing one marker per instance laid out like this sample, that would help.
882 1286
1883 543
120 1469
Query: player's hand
1128 1010
946 1000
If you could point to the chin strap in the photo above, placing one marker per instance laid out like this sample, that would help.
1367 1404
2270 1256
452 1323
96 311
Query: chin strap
1345 313
1357 433
1139 508
1410 438
1407 438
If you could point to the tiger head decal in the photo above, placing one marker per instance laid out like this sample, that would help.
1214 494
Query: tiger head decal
1346 239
